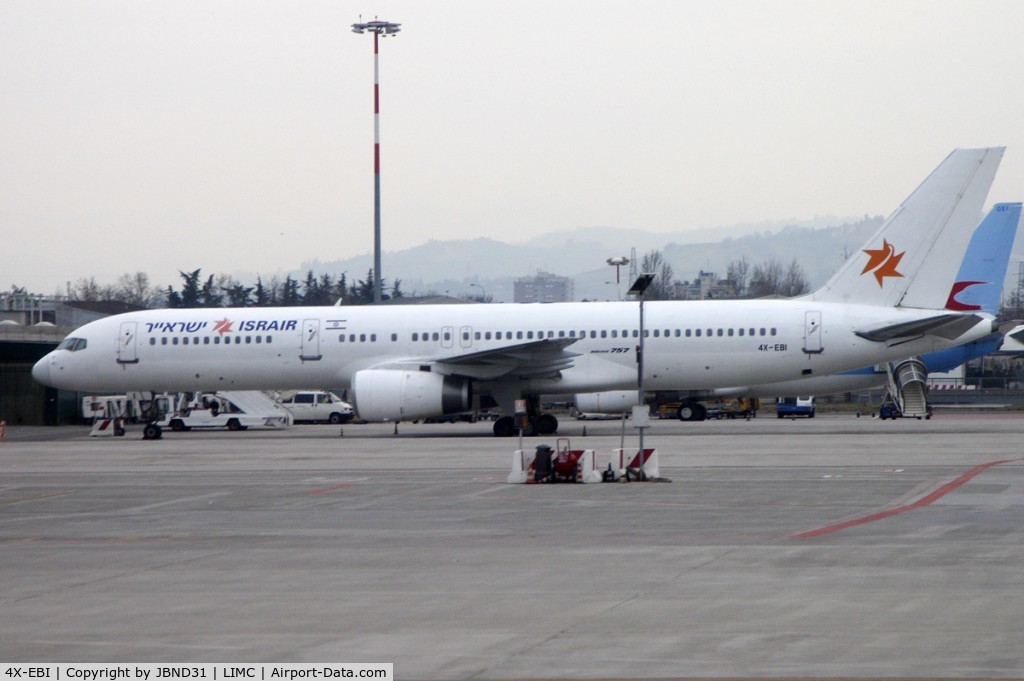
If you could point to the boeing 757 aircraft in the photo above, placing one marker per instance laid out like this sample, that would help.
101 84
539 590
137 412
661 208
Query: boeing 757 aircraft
888 301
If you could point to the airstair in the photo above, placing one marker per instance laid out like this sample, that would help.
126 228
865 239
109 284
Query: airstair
907 391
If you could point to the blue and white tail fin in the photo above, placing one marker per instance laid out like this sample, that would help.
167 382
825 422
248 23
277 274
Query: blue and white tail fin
913 258
979 283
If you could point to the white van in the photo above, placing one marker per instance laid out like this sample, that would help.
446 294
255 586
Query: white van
318 405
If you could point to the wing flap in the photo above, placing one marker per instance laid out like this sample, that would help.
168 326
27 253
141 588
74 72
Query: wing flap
526 360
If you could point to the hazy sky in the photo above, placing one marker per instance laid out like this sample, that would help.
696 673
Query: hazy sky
237 136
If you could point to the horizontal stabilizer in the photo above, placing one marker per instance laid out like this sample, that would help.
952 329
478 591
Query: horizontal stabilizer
947 326
1017 335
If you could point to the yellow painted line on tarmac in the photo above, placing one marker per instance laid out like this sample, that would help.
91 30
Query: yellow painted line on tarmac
36 497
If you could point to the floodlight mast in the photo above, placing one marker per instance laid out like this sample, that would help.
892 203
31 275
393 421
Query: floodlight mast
378 29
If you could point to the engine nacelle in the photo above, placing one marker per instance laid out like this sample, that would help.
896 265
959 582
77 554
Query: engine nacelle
610 402
398 395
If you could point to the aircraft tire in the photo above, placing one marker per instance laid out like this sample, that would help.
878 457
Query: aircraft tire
505 427
546 424
691 411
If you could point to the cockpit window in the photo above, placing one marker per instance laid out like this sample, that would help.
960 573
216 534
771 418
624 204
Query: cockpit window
72 344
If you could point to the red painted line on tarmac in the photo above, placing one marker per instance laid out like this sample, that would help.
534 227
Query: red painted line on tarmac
927 499
332 489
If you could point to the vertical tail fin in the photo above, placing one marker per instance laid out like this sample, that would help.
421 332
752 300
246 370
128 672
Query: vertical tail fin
913 258
979 283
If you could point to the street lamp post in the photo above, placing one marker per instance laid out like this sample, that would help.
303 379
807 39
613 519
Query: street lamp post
638 288
378 29
483 292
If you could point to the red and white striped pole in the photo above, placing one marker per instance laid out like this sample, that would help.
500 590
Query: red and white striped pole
378 28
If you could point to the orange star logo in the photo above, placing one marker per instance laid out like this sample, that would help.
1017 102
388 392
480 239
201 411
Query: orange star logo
223 326
883 261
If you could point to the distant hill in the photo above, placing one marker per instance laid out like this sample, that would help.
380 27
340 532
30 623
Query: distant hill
451 266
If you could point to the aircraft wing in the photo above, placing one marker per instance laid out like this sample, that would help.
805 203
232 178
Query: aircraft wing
523 360
948 326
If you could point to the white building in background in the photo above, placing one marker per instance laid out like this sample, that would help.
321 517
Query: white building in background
545 287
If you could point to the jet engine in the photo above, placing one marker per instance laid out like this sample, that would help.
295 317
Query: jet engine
610 402
399 395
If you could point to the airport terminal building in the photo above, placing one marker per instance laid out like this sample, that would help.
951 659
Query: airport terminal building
30 327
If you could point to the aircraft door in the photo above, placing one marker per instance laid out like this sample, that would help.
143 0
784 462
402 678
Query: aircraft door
447 337
466 337
812 333
127 347
310 340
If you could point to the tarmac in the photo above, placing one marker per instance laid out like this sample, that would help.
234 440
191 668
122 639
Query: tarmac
830 547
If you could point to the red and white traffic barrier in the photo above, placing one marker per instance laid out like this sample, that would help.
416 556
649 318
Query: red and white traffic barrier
107 428
630 459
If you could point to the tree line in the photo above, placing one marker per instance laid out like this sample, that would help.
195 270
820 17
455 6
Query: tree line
226 291
762 280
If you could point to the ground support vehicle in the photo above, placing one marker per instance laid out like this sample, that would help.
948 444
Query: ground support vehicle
795 406
234 410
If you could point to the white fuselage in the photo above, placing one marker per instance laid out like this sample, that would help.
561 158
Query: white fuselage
700 345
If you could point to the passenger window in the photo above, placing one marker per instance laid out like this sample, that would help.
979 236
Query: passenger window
415 336
434 335
487 336
373 338
174 341
394 337
698 333
529 335
362 338
773 330
152 341
687 333
163 341
719 332
730 332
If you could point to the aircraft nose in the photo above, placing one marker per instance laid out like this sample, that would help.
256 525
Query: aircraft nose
41 370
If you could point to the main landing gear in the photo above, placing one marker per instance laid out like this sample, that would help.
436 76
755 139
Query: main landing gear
538 424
